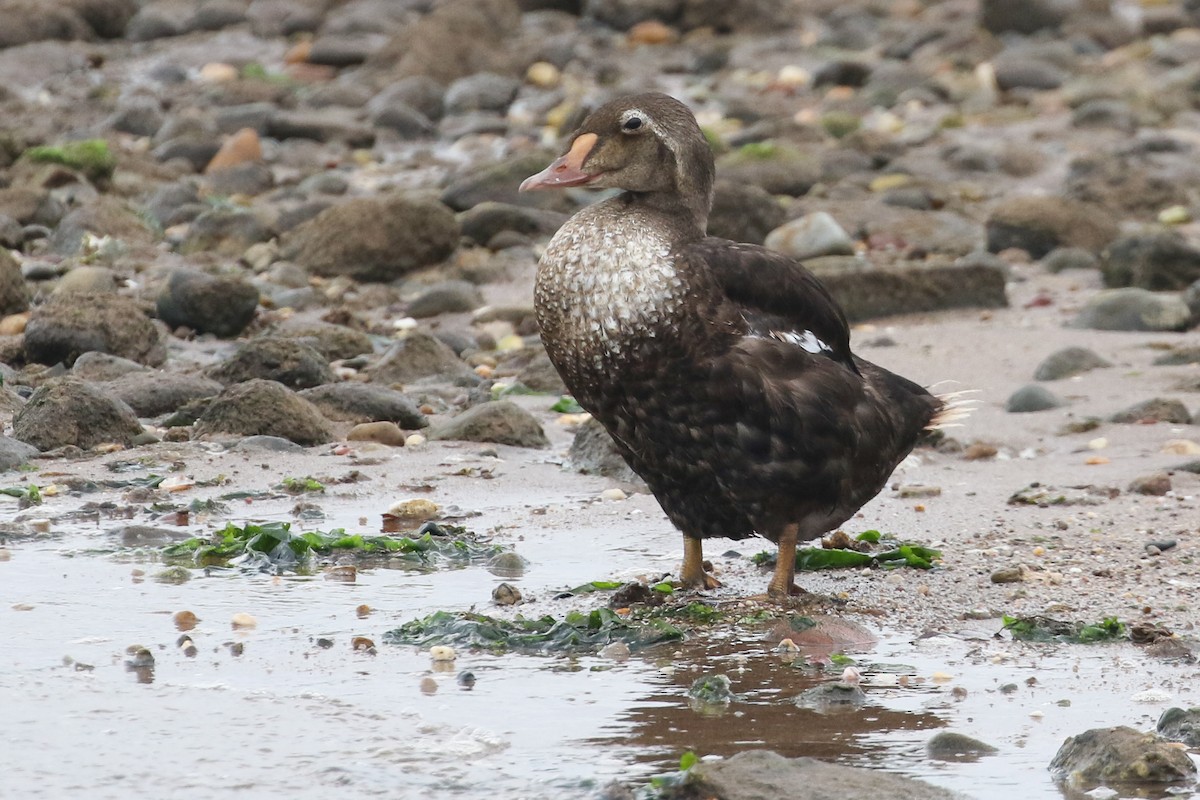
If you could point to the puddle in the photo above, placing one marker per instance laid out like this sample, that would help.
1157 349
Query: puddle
290 716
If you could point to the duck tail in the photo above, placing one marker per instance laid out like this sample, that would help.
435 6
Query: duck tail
955 407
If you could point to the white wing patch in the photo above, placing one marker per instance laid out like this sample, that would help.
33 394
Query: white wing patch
803 339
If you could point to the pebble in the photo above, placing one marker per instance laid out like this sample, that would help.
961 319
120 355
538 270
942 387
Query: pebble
414 440
613 494
243 621
242 147
362 644
543 74
441 652
1009 574
1032 398
418 510
506 595
813 235
387 433
185 620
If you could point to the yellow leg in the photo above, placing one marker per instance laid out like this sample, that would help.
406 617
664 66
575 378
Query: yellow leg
692 575
782 583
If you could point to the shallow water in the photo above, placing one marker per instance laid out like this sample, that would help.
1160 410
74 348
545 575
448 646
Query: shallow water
289 717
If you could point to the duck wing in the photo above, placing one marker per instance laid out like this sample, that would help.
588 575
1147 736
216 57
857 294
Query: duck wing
775 296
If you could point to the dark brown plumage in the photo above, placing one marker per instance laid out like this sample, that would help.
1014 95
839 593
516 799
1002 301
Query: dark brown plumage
723 371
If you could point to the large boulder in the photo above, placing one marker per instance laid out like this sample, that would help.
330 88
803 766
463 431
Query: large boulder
374 239
150 394
14 293
70 325
498 421
1158 261
264 408
1122 755
68 411
1038 225
421 357
222 305
365 402
763 775
290 362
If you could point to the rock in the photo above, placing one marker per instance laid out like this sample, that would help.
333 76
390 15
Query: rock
499 183
283 360
1133 310
1022 16
420 356
865 292
382 432
87 280
743 213
165 204
99 367
364 402
594 453
1178 356
832 697
1063 258
1015 574
105 216
1156 409
155 393
14 453
1027 73
1121 755
334 342
225 231
374 239
951 746
811 236
246 179
264 408
343 51
483 91
320 125
1068 362
12 235
1032 398
242 147
1105 113
482 222
14 293
506 595
445 298
774 168
418 92
68 326
403 119
499 421
1158 261
763 775
1133 183
67 411
154 21
1037 225
270 444
1179 725
222 305
456 39
138 115
1156 484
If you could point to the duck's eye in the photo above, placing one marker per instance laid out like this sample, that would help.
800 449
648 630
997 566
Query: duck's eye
632 124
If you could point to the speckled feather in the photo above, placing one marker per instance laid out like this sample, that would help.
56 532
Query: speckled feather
722 371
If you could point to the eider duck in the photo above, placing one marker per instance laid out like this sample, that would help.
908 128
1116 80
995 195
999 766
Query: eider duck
722 371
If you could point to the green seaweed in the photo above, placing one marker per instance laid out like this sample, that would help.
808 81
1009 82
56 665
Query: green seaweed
1046 629
810 559
273 545
90 156
567 405
301 485
577 632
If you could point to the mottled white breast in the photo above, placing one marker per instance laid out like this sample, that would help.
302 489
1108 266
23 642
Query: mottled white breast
607 287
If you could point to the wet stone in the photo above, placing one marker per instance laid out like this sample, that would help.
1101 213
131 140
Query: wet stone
1180 725
1133 309
951 746
1068 362
499 421
1032 398
261 407
1121 755
67 411
1156 409
222 305
506 595
1155 484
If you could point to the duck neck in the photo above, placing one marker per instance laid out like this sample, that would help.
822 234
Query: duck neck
690 210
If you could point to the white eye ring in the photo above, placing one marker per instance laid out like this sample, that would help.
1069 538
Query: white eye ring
634 121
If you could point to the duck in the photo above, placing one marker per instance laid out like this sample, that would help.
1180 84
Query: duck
721 370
